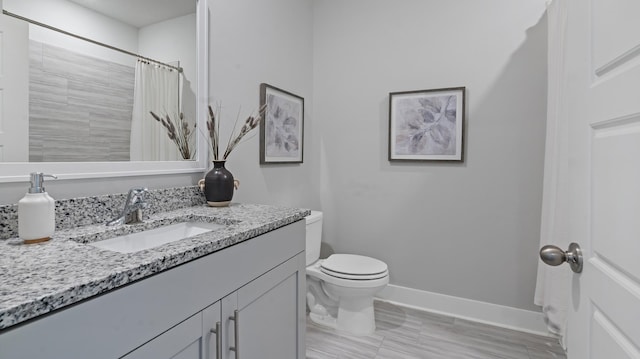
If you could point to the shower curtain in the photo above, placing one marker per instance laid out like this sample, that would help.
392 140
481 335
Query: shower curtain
553 283
158 89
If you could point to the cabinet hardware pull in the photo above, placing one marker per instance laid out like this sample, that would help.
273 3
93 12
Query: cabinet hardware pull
236 333
218 333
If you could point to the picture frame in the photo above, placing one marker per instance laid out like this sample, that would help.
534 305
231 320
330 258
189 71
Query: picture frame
427 125
282 127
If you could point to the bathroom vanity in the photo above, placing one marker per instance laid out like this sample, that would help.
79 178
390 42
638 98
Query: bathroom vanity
237 292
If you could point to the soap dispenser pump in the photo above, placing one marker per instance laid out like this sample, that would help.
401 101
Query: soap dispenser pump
36 212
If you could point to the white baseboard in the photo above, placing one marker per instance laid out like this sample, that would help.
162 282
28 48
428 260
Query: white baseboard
494 314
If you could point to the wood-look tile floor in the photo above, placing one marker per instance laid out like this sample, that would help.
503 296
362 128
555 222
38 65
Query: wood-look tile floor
405 333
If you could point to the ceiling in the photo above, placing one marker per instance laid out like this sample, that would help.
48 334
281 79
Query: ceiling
140 13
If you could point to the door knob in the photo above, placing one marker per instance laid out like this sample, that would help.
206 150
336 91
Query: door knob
555 256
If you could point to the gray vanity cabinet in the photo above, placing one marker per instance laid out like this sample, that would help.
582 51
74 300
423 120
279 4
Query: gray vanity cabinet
262 316
260 283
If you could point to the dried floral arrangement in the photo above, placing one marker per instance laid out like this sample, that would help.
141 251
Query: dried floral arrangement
213 128
179 132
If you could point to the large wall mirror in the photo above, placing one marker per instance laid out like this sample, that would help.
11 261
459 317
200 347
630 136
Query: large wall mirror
81 78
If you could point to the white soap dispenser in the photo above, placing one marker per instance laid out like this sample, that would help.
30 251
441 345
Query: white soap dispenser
36 212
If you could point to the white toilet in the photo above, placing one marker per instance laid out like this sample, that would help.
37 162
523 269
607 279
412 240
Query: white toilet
340 289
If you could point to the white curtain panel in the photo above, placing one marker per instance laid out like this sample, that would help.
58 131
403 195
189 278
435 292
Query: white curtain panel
156 89
553 283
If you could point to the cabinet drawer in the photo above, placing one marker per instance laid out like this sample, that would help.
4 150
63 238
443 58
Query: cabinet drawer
171 344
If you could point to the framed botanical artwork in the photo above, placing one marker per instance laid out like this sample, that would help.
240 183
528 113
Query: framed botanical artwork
426 125
282 128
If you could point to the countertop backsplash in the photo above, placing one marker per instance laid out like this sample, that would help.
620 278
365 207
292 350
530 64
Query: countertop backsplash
84 211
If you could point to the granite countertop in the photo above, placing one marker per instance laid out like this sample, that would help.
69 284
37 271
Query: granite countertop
39 278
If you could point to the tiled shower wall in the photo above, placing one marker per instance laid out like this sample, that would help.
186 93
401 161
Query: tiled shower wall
79 106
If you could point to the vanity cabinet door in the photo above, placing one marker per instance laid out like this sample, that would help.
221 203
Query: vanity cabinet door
184 341
269 314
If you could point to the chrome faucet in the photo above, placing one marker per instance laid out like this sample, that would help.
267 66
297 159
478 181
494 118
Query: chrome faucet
132 212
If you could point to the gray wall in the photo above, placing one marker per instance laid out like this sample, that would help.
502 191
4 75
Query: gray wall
467 229
271 42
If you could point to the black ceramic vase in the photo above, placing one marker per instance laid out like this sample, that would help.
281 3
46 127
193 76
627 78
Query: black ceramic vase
218 185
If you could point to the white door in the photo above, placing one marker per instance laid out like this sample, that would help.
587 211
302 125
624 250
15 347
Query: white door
14 89
603 84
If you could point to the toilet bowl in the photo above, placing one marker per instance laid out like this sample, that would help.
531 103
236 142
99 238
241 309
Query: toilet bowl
341 288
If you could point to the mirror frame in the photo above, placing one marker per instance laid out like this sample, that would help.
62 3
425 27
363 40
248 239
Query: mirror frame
19 171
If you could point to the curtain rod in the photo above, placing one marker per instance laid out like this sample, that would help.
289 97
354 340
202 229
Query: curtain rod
179 69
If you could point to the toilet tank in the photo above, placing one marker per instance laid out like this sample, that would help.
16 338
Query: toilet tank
314 236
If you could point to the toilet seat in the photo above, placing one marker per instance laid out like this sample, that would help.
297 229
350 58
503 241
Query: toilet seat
354 267
315 270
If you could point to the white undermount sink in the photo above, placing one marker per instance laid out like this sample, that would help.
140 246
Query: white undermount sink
152 238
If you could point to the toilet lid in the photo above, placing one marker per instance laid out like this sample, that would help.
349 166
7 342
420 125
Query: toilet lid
352 266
